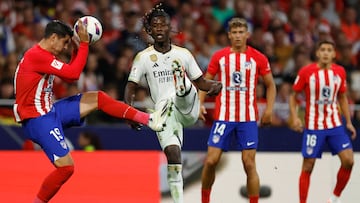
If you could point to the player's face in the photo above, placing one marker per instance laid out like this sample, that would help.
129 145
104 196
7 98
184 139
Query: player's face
160 29
325 53
238 36
59 44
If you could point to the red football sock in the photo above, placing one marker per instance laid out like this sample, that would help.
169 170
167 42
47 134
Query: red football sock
254 199
119 109
54 181
205 195
37 200
304 183
343 177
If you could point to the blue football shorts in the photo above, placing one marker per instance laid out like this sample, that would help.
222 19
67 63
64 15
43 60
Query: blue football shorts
223 133
314 140
47 130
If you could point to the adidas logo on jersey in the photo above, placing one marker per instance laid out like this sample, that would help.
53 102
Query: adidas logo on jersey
155 65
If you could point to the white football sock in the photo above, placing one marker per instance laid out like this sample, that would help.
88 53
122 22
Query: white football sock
175 182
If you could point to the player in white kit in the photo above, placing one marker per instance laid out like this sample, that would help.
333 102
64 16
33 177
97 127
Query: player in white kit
169 71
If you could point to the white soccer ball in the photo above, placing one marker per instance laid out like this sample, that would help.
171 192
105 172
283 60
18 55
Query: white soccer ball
94 28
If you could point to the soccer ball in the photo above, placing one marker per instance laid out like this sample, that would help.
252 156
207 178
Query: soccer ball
94 28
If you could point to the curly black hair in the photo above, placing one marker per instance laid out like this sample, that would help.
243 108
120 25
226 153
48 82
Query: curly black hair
157 11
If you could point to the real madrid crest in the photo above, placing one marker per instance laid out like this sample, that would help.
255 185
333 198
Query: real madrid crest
153 57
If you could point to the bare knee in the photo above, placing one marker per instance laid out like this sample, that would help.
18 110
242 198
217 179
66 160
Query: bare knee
89 102
248 159
308 164
347 158
211 162
347 162
249 165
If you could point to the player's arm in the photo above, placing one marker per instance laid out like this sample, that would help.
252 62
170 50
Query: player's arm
202 97
196 75
129 99
130 92
269 83
211 87
294 120
344 105
68 72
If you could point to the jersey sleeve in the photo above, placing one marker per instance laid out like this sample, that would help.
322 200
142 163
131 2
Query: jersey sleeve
213 67
137 69
299 83
193 70
264 65
343 85
49 64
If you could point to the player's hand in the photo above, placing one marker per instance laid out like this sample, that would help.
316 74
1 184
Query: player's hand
352 130
202 113
266 119
215 88
82 32
296 124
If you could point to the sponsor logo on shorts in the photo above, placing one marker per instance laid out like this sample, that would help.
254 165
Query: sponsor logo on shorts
345 145
250 143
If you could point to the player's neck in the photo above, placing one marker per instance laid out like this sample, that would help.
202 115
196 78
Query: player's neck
324 65
44 45
162 47
238 49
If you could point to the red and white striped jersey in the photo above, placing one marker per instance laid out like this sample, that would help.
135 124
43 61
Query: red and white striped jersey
34 79
238 72
321 87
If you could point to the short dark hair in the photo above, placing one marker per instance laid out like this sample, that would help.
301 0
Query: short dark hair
59 28
157 11
318 45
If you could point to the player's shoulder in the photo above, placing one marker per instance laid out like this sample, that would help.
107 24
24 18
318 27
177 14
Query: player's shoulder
255 52
36 53
222 51
337 67
180 49
145 52
307 69
33 51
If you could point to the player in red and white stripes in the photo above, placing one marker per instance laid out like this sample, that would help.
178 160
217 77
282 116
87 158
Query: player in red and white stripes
238 68
324 84
44 121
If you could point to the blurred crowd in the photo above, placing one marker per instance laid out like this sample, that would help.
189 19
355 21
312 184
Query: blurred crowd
286 31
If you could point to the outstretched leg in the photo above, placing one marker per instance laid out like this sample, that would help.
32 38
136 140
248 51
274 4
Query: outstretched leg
91 101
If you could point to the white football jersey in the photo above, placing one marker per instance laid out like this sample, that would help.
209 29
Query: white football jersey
156 69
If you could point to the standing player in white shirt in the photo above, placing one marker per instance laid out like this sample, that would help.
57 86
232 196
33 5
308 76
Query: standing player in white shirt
169 71
324 85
